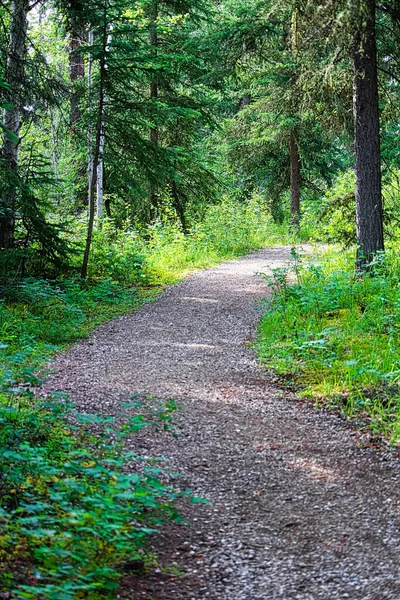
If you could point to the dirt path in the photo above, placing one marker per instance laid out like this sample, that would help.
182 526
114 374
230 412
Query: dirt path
298 509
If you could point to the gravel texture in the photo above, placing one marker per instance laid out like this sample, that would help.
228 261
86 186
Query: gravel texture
299 507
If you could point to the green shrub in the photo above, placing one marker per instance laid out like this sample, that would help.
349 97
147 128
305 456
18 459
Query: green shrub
333 218
75 507
117 255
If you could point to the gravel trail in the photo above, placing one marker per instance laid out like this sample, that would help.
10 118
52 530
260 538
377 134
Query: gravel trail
298 508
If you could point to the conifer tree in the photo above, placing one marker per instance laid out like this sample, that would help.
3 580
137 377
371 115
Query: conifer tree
15 78
279 128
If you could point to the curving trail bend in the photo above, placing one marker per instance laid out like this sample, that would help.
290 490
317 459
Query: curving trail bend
298 509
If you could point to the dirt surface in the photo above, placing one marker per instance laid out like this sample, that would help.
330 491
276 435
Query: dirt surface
298 509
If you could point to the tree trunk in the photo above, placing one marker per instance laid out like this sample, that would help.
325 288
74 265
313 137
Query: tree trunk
90 106
100 166
15 75
244 101
100 170
178 205
107 206
93 165
76 73
54 123
295 182
153 197
369 210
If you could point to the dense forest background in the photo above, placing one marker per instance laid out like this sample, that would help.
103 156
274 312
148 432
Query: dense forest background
134 118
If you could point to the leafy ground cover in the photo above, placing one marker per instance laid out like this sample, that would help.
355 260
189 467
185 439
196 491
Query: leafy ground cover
336 335
76 507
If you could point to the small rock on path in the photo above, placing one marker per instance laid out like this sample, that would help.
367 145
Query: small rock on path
298 511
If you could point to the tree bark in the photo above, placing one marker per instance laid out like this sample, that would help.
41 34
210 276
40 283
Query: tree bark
100 166
244 101
90 106
369 211
76 73
178 205
15 75
295 182
100 169
95 157
153 197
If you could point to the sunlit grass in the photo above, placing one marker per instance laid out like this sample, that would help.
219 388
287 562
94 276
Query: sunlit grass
337 336
227 231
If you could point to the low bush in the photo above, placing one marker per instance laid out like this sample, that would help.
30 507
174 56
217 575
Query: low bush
332 218
228 229
75 507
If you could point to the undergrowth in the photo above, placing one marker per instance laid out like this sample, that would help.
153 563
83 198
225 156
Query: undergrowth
228 230
75 506
336 335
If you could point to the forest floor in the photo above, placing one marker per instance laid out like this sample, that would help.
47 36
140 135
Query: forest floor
300 506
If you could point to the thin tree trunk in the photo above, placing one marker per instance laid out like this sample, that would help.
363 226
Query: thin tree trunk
369 211
244 101
90 106
15 75
100 170
100 166
179 208
76 73
107 206
295 174
153 197
295 182
96 154
54 123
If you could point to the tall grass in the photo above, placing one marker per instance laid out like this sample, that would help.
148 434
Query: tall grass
228 230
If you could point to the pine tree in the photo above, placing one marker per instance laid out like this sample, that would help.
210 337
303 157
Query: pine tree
277 140
15 78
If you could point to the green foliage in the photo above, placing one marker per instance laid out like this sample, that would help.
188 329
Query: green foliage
117 254
336 212
228 229
331 218
75 506
38 317
337 335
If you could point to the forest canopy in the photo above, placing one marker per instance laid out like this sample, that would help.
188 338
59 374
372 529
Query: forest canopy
152 112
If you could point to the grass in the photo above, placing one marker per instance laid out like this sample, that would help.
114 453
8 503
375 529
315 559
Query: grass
336 335
227 231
